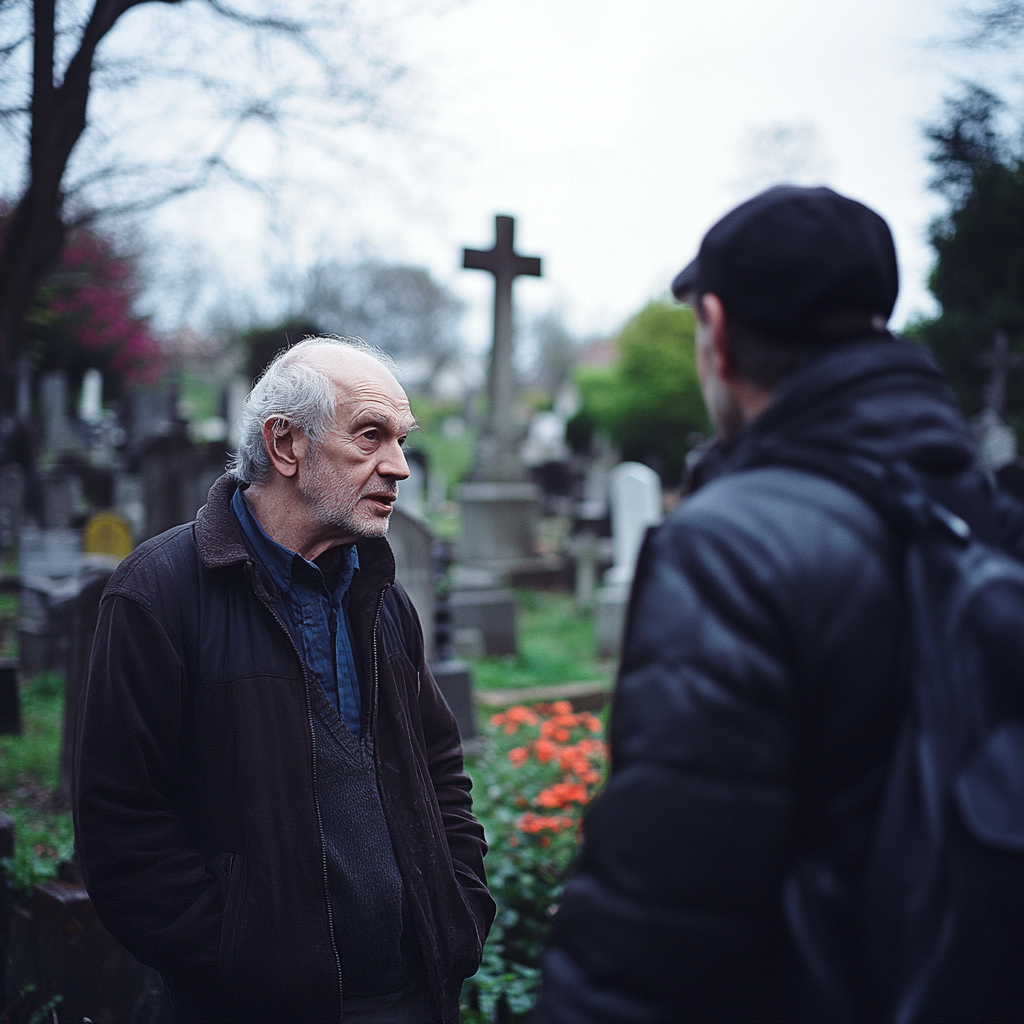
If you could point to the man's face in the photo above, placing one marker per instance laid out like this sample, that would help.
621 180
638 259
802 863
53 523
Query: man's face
351 480
722 405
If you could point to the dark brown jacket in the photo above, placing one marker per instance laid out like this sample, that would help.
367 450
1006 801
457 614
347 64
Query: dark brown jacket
196 806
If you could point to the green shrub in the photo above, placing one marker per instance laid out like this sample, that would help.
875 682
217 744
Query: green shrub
544 768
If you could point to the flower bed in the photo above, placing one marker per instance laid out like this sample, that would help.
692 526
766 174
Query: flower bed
546 765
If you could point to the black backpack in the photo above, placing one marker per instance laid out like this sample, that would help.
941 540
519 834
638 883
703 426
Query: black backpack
933 929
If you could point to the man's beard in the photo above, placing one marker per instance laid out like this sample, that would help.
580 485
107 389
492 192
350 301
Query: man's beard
334 502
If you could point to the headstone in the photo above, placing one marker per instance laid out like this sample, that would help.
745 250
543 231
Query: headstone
90 402
491 614
10 698
51 565
413 545
12 504
53 396
130 503
58 945
107 533
453 677
997 441
635 493
499 510
585 551
61 497
412 492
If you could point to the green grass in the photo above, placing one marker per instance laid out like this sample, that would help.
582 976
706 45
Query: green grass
29 767
556 645
31 760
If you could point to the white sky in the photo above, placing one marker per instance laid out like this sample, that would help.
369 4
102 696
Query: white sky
614 132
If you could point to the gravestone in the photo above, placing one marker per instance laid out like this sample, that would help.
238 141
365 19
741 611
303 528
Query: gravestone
453 676
57 439
413 546
107 533
12 504
10 698
51 565
58 945
635 498
997 441
499 509
412 492
90 402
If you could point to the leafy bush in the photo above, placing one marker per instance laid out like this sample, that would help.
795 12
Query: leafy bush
545 766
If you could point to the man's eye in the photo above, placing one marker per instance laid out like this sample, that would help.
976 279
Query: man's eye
372 435
402 441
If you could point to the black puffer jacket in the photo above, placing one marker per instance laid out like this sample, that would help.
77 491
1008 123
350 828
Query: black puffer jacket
196 808
757 701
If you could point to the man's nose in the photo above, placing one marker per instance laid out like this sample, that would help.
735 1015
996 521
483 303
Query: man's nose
394 463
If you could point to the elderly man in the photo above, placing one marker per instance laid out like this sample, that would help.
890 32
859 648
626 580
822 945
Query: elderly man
270 802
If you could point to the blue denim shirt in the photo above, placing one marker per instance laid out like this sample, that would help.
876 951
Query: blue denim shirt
316 616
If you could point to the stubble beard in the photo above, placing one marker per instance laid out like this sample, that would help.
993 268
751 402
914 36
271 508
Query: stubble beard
334 502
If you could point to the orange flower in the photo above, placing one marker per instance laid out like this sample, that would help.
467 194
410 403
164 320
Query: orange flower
562 794
518 755
545 750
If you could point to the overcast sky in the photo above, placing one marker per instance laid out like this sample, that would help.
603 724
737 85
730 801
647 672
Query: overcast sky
616 132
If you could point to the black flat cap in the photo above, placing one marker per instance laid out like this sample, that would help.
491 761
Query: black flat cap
798 265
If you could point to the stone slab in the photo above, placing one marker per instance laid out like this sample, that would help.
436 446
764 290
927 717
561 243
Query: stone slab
58 944
585 696
610 604
499 525
456 685
492 612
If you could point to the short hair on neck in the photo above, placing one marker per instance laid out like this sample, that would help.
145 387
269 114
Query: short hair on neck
292 390
766 360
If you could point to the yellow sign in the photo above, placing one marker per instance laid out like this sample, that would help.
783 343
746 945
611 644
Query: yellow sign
107 533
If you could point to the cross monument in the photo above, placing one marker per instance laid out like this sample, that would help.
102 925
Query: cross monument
1000 361
497 459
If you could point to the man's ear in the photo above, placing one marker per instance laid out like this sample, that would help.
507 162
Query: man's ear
286 446
715 318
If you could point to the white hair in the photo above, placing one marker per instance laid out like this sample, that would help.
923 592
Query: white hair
291 391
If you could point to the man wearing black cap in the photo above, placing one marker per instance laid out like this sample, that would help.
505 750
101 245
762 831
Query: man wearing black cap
758 697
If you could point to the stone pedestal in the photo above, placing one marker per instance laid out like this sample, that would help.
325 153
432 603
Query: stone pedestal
492 613
58 945
610 604
499 526
456 685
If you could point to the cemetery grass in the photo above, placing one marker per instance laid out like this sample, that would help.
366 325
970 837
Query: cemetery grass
557 644
29 766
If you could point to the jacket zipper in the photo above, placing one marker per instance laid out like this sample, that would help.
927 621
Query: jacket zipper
316 799
372 723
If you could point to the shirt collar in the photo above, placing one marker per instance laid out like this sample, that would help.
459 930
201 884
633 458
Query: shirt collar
278 560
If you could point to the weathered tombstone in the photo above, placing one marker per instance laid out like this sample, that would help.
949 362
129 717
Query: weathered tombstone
51 567
58 945
61 492
488 612
107 533
997 442
12 504
90 402
53 396
412 492
499 509
453 676
635 492
10 698
413 546
130 501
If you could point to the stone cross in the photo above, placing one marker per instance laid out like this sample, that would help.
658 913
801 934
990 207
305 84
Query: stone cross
1000 361
496 459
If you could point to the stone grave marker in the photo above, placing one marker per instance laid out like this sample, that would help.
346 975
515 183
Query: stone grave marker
58 944
12 504
412 542
635 498
10 698
107 533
